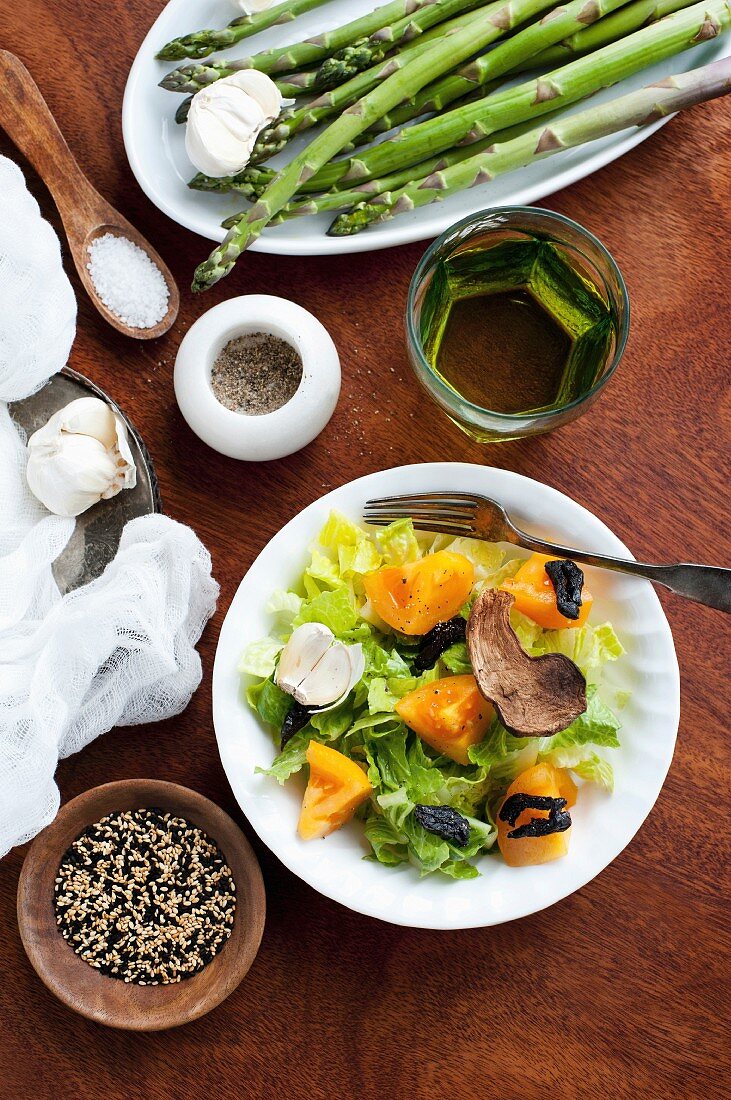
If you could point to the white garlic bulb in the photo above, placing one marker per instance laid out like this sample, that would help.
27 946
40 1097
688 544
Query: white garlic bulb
251 7
80 456
226 118
317 670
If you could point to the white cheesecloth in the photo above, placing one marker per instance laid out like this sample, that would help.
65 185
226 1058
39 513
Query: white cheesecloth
120 650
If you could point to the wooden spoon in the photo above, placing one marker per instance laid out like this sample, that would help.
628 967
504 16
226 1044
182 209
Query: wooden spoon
27 120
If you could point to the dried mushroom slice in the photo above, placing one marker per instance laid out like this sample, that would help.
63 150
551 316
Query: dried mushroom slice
534 696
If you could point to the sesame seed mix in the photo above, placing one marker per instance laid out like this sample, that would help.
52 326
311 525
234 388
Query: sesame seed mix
145 897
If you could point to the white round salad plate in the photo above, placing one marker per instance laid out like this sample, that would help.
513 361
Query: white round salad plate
155 142
603 824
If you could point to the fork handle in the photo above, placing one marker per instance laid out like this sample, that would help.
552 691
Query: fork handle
707 584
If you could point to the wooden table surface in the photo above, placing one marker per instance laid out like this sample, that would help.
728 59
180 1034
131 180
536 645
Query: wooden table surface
621 989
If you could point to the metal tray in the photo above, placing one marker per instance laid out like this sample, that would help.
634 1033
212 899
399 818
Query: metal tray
96 536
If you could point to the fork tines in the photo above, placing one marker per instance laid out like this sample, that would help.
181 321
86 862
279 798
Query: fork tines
449 513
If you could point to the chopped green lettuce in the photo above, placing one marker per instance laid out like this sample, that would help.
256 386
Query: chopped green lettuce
283 606
598 725
595 770
260 658
334 609
398 543
456 659
270 701
486 557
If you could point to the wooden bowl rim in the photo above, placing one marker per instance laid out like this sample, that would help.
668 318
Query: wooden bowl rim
110 1001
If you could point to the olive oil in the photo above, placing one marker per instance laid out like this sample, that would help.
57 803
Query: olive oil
516 327
503 351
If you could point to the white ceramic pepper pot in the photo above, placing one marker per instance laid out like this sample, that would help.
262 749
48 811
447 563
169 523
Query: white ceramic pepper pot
274 434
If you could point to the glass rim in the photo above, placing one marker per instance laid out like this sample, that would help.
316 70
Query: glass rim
455 400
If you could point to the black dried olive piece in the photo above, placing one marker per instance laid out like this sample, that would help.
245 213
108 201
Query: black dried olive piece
439 639
567 580
296 719
445 822
558 820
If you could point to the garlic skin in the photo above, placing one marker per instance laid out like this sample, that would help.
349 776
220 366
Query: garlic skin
318 671
251 7
226 118
79 457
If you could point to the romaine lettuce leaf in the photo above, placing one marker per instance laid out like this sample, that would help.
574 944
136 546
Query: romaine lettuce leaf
398 543
589 647
486 557
388 844
598 725
283 606
323 569
292 758
456 659
270 701
260 658
333 609
359 559
595 770
332 724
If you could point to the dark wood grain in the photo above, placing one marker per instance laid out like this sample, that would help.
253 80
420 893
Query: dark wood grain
108 1000
618 991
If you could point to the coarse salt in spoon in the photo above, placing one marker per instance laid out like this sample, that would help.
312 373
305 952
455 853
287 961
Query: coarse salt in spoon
128 293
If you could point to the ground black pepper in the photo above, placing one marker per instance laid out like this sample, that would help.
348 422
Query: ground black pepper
256 373
145 897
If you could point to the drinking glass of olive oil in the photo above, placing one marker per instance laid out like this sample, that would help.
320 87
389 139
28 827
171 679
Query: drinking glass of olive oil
516 319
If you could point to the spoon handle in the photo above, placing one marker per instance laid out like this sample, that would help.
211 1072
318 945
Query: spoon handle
706 584
28 122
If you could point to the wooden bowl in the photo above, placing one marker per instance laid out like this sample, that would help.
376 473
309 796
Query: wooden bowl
108 1000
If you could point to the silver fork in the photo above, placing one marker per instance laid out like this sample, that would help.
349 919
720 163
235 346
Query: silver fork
482 518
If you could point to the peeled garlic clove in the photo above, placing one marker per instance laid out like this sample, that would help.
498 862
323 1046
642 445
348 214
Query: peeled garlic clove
333 678
251 7
226 118
327 680
306 646
80 456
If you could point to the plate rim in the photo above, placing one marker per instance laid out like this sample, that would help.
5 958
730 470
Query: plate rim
408 232
330 890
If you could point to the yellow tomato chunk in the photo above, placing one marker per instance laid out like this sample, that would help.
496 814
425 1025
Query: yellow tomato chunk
535 595
415 597
449 714
541 779
335 790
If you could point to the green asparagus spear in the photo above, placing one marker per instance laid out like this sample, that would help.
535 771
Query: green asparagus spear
553 27
630 18
538 96
201 43
496 20
285 59
273 139
639 108
344 200
240 184
254 180
353 59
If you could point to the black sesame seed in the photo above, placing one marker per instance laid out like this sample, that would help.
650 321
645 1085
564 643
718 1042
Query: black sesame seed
145 897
